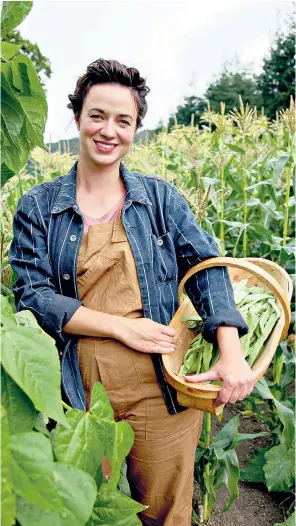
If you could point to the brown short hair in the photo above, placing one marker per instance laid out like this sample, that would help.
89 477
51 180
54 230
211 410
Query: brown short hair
110 71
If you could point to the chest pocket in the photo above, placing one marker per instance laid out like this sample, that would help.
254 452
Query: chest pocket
163 258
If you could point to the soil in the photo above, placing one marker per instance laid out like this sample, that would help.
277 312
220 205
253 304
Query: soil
255 505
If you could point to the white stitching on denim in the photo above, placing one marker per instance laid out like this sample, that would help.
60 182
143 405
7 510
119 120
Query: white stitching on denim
59 260
29 308
223 268
40 212
70 359
160 207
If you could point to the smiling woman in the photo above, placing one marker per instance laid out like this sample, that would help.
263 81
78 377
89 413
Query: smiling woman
104 250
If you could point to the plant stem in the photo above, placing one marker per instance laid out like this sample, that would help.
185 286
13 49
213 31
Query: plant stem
66 406
208 420
245 199
286 205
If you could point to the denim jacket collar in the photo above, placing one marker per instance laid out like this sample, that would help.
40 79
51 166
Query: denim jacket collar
66 198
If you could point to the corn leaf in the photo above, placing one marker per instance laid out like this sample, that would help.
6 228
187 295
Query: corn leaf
229 463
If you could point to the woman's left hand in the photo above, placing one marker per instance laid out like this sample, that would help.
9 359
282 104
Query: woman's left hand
232 368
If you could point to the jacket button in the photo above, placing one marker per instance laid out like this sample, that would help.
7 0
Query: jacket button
73 238
66 276
160 242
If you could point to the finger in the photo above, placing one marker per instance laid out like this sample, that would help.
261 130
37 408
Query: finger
161 350
225 394
236 394
169 331
164 338
165 344
202 377
245 392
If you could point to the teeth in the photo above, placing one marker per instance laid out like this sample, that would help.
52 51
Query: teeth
106 146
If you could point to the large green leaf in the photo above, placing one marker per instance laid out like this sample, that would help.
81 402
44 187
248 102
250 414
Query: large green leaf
123 484
31 98
20 410
115 509
100 403
84 443
120 434
8 50
286 416
229 463
77 492
121 438
279 468
32 471
254 470
12 14
289 522
12 119
23 113
31 359
8 505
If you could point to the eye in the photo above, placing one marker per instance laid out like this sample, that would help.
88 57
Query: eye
125 122
96 116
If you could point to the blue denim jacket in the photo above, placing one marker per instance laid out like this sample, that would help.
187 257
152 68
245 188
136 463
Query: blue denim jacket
165 240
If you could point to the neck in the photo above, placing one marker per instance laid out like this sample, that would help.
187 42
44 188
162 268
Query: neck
92 178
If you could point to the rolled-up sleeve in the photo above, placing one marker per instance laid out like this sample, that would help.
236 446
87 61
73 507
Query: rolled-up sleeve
34 288
209 290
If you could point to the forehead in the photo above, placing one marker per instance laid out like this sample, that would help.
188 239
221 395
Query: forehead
111 98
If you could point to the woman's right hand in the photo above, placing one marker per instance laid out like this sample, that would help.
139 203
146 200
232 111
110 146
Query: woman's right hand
145 335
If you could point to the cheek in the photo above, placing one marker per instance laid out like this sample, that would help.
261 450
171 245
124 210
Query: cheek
89 129
127 136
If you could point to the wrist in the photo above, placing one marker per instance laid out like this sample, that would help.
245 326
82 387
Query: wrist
228 341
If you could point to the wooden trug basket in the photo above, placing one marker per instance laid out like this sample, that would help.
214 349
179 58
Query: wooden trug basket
261 272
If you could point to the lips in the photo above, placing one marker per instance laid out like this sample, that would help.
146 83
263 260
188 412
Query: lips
105 147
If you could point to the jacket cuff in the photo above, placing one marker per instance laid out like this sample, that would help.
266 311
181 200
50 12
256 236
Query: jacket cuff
229 318
58 312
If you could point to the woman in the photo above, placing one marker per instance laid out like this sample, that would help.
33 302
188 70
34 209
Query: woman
98 255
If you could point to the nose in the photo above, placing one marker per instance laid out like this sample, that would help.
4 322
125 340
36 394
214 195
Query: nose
107 129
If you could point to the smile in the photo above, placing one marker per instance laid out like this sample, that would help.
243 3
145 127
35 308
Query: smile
105 147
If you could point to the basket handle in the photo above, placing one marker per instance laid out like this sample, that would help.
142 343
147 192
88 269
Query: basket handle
243 264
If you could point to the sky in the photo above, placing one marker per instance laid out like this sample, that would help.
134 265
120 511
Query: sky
178 46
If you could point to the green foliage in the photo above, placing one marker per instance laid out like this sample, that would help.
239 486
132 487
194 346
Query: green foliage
24 107
275 464
56 478
277 81
12 14
41 63
289 522
192 108
227 88
216 462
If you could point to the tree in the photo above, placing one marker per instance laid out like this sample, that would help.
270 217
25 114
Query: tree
229 85
193 105
277 81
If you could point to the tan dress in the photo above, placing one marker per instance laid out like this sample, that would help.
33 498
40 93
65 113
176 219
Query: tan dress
161 461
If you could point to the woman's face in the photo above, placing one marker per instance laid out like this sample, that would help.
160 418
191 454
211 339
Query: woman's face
107 123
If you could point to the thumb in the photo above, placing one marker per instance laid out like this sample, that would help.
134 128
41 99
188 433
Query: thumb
202 377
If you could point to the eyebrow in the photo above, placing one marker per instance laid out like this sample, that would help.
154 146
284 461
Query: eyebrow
120 114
